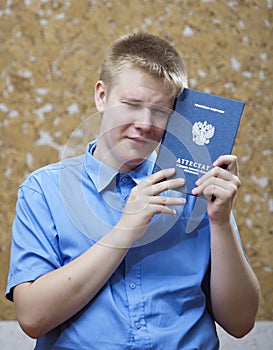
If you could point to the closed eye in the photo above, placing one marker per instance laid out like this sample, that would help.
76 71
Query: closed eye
156 111
132 104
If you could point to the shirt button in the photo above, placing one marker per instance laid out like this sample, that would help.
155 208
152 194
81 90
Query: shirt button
125 179
132 286
138 325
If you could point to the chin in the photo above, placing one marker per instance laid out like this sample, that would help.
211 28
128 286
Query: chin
132 158
129 165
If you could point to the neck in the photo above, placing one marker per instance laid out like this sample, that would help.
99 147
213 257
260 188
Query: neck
112 161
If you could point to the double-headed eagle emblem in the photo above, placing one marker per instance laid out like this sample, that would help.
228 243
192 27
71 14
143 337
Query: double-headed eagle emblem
202 133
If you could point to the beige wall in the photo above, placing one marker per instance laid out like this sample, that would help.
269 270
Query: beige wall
50 55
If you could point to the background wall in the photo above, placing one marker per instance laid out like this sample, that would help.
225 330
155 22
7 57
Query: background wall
50 56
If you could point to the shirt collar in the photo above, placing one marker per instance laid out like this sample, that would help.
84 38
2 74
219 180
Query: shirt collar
102 174
144 170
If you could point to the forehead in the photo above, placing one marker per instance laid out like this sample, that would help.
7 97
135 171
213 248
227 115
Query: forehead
137 85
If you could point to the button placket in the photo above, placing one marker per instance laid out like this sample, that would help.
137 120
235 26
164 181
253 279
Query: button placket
135 299
126 185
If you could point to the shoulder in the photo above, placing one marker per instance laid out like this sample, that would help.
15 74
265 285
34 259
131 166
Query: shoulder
51 173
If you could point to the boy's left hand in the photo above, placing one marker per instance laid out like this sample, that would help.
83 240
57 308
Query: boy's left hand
220 186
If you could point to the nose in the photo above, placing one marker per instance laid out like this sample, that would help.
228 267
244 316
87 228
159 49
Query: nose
144 120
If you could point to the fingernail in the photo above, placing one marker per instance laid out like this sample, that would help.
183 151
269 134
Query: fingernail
194 191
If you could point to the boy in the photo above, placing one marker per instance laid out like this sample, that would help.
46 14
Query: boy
100 258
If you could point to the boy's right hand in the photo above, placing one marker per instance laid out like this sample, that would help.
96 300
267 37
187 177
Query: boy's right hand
144 202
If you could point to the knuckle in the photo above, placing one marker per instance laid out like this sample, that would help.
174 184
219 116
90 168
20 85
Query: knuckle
134 194
232 190
215 171
236 182
235 189
160 187
212 181
164 200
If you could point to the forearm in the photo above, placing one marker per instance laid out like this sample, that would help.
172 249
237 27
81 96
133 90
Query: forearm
55 297
235 293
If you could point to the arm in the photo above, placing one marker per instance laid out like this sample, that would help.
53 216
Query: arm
235 293
37 303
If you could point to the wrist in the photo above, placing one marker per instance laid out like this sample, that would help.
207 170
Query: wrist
223 225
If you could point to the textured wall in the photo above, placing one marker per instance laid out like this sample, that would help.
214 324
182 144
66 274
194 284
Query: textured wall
50 56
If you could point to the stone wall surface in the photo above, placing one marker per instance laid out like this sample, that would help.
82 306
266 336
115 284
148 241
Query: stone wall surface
50 55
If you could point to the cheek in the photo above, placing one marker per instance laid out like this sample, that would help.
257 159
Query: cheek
159 129
158 134
115 133
111 122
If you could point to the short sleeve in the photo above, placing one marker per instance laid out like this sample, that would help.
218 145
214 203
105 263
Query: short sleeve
34 246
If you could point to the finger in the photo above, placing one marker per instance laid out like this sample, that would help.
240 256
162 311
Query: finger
161 209
212 193
228 162
167 201
161 175
213 183
155 205
223 193
166 185
216 172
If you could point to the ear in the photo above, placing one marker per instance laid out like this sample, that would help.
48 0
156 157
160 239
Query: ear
100 96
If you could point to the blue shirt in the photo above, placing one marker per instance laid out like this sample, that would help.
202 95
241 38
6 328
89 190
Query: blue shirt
156 299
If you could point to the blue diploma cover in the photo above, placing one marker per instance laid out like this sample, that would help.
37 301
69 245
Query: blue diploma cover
200 129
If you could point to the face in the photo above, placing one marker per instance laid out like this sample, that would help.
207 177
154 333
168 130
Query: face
134 117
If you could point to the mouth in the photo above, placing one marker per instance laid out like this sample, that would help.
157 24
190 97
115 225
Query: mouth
139 139
143 142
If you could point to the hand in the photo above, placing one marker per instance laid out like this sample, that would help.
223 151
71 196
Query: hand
144 202
220 186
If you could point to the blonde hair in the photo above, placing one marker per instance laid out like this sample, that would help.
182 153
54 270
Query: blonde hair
148 52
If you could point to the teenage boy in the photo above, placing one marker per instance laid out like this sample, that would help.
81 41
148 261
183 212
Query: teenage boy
100 258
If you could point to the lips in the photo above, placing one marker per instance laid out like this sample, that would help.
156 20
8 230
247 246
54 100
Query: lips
138 139
140 142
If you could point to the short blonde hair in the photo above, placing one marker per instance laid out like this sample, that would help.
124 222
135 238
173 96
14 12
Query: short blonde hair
148 52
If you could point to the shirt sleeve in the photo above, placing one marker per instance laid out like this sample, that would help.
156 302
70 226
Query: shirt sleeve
34 246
